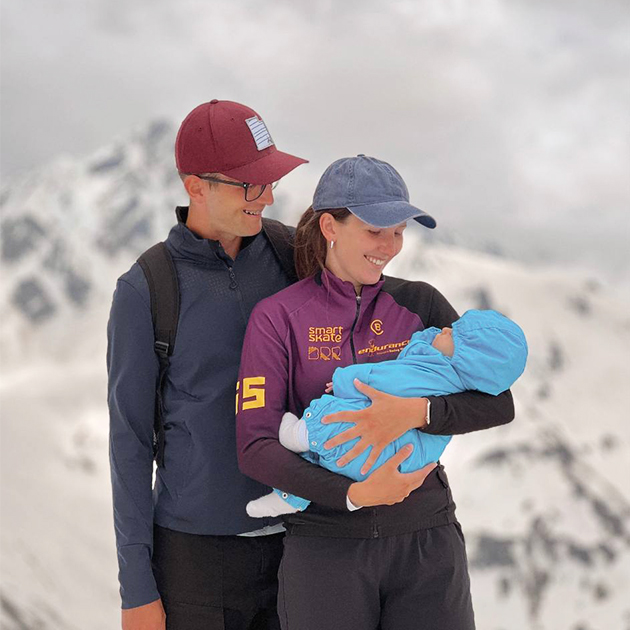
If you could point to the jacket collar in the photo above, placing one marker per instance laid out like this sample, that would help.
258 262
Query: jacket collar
185 242
343 290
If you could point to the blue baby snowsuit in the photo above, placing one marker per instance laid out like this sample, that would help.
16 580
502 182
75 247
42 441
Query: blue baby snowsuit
490 354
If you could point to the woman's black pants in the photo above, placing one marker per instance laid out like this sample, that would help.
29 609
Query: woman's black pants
415 581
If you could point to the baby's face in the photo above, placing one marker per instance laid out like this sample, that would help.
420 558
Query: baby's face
444 342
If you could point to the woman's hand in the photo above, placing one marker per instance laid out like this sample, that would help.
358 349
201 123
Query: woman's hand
386 419
387 485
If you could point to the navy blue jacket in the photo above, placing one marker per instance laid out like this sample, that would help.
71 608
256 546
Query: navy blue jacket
200 489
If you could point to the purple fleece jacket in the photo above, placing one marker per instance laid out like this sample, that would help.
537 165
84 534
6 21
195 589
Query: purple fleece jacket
294 341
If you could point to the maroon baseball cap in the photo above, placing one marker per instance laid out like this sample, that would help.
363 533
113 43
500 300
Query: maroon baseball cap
231 139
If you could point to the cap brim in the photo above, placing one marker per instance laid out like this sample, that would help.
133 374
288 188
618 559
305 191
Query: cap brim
267 169
391 213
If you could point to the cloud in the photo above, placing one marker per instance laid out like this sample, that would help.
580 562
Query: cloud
495 112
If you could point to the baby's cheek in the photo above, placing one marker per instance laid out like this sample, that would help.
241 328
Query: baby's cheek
444 343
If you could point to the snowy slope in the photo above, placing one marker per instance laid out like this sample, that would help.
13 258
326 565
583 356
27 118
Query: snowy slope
544 501
56 540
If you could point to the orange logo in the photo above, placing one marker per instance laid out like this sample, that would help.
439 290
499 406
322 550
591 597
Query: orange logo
377 327
384 349
325 333
325 353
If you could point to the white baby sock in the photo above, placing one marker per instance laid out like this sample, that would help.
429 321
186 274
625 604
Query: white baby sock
270 505
293 434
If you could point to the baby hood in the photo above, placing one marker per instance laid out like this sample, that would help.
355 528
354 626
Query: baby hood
490 351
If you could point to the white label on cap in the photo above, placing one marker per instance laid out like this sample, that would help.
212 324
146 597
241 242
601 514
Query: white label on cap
259 132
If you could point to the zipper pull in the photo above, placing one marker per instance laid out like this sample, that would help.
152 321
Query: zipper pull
233 283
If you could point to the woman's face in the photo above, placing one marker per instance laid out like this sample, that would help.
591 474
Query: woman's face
361 251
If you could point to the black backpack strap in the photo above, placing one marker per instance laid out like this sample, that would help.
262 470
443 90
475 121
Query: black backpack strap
282 238
159 270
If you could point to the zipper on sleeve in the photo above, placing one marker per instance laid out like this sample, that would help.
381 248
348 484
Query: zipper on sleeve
354 323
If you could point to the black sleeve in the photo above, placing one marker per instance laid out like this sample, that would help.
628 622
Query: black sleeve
470 410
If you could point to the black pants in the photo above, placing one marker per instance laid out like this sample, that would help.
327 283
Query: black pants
217 582
416 581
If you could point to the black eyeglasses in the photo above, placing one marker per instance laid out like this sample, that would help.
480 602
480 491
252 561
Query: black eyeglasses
252 191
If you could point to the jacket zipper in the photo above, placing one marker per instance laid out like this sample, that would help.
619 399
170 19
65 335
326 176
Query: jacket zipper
233 283
234 286
354 323
229 263
354 360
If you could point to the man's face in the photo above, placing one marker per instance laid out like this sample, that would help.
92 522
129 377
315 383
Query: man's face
230 214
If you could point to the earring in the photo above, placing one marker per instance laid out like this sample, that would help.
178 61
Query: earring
332 244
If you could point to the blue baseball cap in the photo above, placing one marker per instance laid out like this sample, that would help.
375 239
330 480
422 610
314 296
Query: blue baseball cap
371 189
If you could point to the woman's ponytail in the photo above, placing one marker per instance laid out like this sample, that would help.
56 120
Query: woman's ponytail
310 244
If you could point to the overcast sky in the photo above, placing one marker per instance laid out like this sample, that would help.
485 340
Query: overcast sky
512 112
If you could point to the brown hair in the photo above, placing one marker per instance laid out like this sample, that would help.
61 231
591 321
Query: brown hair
310 244
183 177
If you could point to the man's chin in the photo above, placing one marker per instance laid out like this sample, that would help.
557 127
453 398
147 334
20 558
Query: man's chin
247 224
252 230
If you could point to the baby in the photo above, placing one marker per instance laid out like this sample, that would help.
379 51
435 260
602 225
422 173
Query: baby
483 351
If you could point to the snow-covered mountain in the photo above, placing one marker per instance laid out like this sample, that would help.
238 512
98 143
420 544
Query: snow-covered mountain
544 502
69 230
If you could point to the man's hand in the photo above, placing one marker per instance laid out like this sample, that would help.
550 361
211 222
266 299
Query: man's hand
148 617
386 419
386 485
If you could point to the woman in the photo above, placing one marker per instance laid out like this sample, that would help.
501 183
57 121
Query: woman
364 555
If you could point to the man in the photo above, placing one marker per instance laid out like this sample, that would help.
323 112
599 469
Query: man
202 571
189 556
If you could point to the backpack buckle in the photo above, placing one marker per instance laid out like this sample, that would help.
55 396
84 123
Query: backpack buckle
161 347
